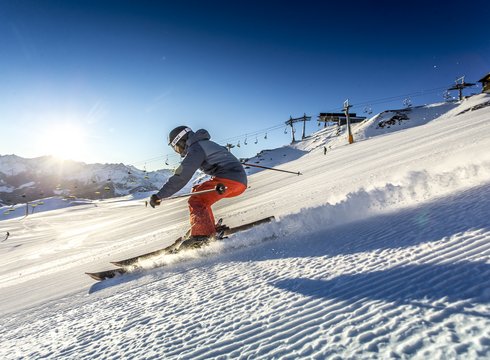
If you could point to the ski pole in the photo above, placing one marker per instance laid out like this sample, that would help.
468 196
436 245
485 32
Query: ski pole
220 189
269 168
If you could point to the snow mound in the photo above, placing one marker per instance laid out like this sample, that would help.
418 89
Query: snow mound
395 120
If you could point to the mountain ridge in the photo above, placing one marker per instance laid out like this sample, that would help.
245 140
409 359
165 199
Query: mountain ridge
28 179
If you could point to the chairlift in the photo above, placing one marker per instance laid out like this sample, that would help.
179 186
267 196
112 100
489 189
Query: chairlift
238 144
285 130
166 161
256 141
265 137
245 142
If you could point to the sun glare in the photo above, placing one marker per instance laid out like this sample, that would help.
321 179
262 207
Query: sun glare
65 141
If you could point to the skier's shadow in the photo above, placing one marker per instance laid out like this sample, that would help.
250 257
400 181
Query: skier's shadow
418 285
460 218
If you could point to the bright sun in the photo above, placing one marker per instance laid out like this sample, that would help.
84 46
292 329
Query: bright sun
65 141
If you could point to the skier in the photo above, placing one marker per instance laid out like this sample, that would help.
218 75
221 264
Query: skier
199 152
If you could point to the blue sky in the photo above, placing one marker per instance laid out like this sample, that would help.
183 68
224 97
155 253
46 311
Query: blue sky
105 81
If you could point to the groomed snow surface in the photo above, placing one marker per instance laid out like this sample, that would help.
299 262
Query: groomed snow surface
380 250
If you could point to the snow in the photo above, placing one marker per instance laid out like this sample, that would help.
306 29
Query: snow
401 119
381 249
42 205
53 176
26 185
11 166
7 189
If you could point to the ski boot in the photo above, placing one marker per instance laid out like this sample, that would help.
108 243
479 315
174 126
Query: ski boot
194 242
220 230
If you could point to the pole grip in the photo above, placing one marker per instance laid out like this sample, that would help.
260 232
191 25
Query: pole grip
220 188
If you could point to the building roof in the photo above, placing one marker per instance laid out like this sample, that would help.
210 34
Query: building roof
336 114
485 78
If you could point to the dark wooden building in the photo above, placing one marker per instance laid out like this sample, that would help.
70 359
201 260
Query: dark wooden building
339 118
485 83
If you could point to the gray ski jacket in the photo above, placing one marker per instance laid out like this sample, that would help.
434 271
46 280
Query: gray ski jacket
211 158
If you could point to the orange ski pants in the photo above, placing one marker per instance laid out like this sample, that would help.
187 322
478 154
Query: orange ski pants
201 215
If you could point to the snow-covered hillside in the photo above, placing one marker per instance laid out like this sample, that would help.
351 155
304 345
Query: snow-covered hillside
24 180
381 249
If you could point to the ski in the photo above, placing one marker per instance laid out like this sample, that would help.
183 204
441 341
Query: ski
107 274
130 265
168 250
174 247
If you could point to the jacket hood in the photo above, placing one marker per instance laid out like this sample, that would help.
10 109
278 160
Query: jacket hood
194 137
199 135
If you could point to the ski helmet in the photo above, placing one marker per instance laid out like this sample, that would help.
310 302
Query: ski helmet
177 138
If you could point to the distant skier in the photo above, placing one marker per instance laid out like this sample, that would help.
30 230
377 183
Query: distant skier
199 152
7 236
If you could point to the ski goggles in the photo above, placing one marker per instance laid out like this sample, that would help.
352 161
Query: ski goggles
178 137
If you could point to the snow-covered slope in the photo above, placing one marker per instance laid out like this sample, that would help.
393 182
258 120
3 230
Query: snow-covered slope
388 121
395 120
380 250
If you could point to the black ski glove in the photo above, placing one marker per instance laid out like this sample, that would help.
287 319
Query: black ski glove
154 201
